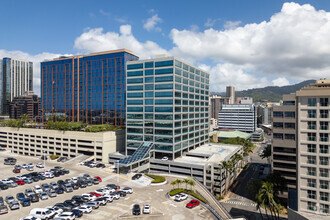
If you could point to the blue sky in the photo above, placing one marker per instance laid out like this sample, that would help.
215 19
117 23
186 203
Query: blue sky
38 30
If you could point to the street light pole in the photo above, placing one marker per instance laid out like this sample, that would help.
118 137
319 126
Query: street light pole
44 162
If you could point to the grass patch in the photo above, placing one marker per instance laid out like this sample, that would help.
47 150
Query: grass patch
173 192
157 179
53 157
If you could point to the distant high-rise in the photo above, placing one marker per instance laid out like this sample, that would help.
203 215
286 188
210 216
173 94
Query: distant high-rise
28 104
16 78
230 92
215 105
89 88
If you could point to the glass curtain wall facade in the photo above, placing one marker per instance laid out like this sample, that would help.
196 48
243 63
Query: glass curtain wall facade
16 78
90 88
167 104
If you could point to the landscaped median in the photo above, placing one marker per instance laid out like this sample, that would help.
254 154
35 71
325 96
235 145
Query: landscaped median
173 192
157 180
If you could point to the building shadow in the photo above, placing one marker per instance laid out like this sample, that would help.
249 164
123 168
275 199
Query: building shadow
249 215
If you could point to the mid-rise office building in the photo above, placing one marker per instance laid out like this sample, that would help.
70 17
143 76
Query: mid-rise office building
28 104
16 78
284 140
167 105
239 117
230 93
215 105
313 182
87 88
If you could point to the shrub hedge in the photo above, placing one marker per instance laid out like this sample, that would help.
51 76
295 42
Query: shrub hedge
53 157
157 179
173 192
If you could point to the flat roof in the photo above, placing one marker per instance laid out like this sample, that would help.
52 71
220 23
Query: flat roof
88 55
213 153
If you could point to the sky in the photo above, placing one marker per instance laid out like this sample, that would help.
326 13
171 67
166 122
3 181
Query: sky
248 44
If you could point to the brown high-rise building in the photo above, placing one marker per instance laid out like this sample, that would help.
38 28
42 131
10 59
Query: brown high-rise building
216 103
230 93
28 104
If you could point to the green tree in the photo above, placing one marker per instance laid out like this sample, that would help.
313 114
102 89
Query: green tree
186 181
265 198
191 183
178 181
279 182
267 152
173 183
253 187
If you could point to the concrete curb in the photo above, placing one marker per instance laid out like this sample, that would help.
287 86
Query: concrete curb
158 184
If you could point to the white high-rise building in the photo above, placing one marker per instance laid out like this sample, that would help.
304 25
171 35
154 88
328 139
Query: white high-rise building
16 78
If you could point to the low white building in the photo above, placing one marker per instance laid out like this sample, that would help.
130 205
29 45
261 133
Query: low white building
37 142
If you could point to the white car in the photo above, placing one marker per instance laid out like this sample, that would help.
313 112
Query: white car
165 158
85 209
180 197
101 191
24 166
146 209
109 198
116 196
88 196
74 179
30 165
30 218
66 216
55 209
37 189
128 190
43 196
40 165
49 175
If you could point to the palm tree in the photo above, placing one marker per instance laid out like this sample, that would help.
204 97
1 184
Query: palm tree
191 183
228 167
186 181
265 197
173 183
178 181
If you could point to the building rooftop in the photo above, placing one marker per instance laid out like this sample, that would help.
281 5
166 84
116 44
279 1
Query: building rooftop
209 153
236 106
225 134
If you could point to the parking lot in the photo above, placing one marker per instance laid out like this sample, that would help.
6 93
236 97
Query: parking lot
162 207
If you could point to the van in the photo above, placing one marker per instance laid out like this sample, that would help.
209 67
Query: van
42 213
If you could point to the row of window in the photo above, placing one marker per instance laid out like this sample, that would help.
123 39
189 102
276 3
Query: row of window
167 125
323 149
176 124
277 114
313 102
323 113
324 137
324 184
324 196
322 160
311 171
284 136
284 125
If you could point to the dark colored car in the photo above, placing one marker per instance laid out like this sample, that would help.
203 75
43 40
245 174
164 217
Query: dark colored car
25 202
16 171
34 198
95 181
60 183
136 209
77 213
64 207
72 203
59 190
66 171
75 186
35 178
1 201
20 196
113 186
3 186
137 176
41 177
82 184
101 200
79 199
122 193
43 157
100 165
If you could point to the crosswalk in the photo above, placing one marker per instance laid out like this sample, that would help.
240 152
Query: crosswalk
241 203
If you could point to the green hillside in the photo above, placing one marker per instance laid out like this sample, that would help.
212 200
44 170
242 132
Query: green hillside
270 93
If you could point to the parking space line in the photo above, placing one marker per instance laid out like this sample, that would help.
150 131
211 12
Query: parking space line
118 205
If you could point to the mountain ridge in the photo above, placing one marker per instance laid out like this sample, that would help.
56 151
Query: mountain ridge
269 93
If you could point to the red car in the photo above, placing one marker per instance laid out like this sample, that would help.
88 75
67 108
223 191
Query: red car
20 182
16 171
98 178
193 203
95 194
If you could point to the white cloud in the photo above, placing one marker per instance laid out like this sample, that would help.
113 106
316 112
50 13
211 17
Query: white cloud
294 44
36 59
210 22
105 13
94 40
281 81
151 23
231 24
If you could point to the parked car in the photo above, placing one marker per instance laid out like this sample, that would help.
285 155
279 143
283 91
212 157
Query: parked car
94 205
9 199
45 187
43 196
14 205
59 190
78 213
28 192
128 190
66 216
164 158
100 165
193 203
16 170
25 202
24 166
136 209
146 209
20 182
101 200
180 197
53 185
42 213
1 201
137 176
34 198
43 157
20 196
98 178
37 189
40 165
84 209
3 209
68 188
51 193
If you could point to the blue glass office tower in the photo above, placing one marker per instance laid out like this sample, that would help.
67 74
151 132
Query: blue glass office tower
16 78
90 88
167 105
